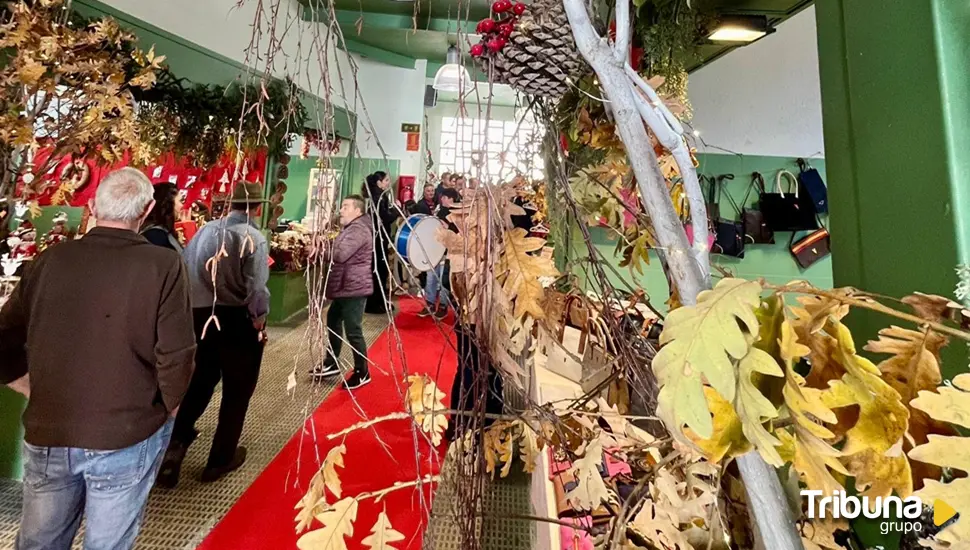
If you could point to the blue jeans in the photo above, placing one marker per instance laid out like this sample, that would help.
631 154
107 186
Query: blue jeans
434 286
110 487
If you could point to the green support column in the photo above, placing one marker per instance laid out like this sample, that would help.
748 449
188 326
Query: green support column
896 113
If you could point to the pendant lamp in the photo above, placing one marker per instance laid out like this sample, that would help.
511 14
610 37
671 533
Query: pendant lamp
452 77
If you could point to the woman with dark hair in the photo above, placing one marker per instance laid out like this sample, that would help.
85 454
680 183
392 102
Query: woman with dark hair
159 227
377 192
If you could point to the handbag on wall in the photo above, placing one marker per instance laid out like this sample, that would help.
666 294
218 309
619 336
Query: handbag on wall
756 229
713 209
788 212
729 235
811 248
811 180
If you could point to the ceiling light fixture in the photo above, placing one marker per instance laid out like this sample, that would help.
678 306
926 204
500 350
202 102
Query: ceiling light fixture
740 28
452 77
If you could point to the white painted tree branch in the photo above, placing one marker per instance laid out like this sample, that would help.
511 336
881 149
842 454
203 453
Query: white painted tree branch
624 30
689 273
671 235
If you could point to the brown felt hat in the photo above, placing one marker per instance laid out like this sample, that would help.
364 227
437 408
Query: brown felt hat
247 193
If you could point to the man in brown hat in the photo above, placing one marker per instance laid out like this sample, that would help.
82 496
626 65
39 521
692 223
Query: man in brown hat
230 317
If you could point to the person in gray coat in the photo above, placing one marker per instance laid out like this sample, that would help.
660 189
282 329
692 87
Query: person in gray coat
349 283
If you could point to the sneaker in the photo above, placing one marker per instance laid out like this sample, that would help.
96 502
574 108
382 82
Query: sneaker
211 474
357 380
324 371
428 311
441 312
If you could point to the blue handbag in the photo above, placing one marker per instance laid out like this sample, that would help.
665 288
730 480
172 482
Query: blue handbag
812 182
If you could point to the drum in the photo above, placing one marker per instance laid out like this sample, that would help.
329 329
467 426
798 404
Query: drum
417 242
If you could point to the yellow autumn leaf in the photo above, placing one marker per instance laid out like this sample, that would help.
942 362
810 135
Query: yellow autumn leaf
815 315
914 366
878 475
338 522
529 447
754 408
35 210
30 71
426 404
728 439
883 418
519 272
699 343
382 534
811 455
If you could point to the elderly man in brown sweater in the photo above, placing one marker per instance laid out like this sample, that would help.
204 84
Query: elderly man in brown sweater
103 328
349 283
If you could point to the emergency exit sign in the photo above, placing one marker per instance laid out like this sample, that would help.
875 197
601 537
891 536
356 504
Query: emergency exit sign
411 128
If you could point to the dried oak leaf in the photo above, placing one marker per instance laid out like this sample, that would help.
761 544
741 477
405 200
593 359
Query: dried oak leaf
914 367
590 488
326 478
426 404
728 436
529 446
949 404
699 343
519 272
811 455
338 522
382 534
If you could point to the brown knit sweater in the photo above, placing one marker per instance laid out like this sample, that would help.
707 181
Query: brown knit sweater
104 328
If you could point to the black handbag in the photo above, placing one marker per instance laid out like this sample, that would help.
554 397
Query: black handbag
756 229
713 209
812 182
793 211
728 234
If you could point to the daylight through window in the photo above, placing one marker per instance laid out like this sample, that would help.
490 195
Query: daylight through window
492 150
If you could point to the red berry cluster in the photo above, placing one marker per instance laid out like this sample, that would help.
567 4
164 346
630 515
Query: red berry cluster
495 32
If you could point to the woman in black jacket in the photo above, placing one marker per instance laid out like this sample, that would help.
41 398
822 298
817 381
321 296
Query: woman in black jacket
159 226
377 192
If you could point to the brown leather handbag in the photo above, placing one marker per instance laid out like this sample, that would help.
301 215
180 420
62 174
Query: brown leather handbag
811 248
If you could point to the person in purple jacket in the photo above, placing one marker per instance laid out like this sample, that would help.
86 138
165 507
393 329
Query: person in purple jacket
349 283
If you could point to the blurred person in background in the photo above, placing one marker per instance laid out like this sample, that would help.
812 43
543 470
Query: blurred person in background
159 227
383 215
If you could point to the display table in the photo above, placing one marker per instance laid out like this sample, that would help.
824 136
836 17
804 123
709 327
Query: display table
287 296
547 386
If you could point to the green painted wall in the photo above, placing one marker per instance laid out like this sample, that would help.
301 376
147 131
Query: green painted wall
773 262
297 184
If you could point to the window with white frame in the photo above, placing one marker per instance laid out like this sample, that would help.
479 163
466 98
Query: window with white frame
491 150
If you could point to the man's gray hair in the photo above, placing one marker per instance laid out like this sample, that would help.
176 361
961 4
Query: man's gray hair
123 195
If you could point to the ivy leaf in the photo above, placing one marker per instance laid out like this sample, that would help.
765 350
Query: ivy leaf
699 343
728 438
338 522
382 534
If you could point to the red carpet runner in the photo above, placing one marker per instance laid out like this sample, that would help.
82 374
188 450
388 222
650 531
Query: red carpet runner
263 518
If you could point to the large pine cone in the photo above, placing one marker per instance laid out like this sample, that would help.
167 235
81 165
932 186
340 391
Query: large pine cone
540 54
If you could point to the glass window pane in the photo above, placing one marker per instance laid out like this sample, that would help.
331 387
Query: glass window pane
448 124
447 156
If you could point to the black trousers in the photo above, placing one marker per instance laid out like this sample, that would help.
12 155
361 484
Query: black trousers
463 390
346 316
377 302
232 354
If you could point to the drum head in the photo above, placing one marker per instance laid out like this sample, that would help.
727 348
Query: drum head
424 251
